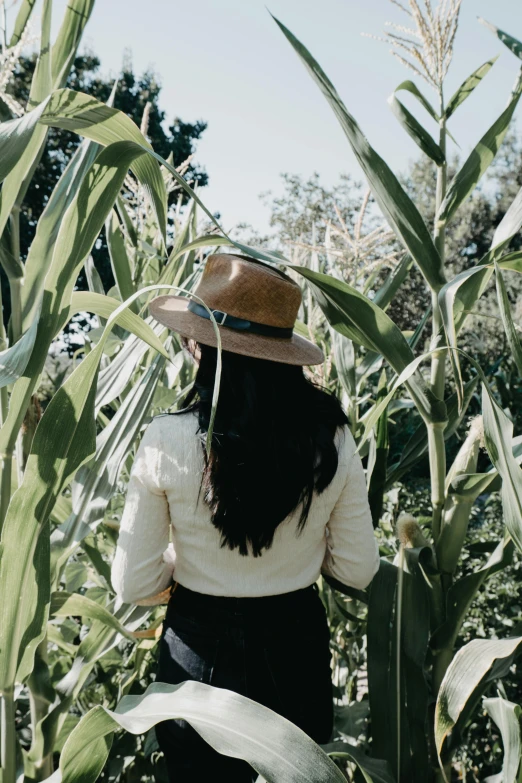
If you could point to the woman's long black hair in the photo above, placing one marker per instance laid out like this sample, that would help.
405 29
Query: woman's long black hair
272 445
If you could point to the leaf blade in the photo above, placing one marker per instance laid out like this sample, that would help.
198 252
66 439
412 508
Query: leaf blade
395 204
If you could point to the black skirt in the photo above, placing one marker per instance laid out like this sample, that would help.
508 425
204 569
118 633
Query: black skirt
274 650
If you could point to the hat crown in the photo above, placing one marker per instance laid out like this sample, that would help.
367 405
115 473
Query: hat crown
249 289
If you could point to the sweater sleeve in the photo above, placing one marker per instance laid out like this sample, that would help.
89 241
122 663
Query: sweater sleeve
144 562
352 555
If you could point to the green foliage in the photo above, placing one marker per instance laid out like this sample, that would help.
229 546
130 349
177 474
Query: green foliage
401 647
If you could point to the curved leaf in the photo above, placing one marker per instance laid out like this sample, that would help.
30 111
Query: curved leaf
121 264
65 604
95 482
40 254
13 360
412 88
230 723
355 316
77 14
104 306
15 135
507 319
386 293
507 717
510 223
498 435
512 43
22 18
395 204
83 114
467 87
372 770
472 669
413 128
64 51
478 161
462 593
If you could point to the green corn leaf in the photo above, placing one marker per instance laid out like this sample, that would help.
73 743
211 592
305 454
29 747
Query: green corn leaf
17 181
120 262
478 161
373 415
13 267
507 319
42 247
113 380
412 88
458 297
398 704
22 18
512 261
100 639
77 14
344 354
94 281
508 716
498 435
381 639
57 452
508 40
378 457
372 770
474 666
13 360
415 130
65 604
358 318
15 135
104 306
386 293
463 592
41 84
230 723
510 223
95 482
78 232
83 114
394 202
417 445
454 308
467 87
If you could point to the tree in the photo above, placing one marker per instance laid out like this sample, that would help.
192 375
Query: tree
132 96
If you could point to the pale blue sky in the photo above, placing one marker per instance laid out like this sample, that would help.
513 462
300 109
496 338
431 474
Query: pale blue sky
226 62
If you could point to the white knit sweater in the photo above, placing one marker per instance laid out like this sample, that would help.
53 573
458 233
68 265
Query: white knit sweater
162 504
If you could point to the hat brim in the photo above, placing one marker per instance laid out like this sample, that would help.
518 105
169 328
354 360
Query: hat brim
172 312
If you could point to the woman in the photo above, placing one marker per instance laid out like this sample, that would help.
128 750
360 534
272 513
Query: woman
281 497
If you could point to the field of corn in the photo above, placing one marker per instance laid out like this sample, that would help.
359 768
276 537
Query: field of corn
412 682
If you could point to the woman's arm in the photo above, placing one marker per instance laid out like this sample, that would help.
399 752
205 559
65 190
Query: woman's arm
144 561
352 555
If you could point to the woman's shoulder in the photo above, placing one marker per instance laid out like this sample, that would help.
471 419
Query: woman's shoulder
346 446
175 424
174 439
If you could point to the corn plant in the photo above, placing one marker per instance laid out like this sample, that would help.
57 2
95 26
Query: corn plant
417 605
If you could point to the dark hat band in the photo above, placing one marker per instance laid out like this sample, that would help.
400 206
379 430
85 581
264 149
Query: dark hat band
241 324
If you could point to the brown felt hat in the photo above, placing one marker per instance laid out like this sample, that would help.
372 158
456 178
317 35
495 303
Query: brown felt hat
254 304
